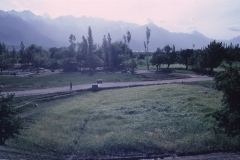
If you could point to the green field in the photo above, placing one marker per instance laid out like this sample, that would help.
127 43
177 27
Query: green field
173 68
63 79
168 119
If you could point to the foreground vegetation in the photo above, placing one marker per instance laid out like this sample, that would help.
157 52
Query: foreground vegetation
142 120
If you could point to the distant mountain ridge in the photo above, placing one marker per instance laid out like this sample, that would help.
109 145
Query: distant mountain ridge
41 30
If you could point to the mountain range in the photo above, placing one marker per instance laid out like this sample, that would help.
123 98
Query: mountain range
44 31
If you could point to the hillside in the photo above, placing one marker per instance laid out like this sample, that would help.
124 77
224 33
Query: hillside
30 28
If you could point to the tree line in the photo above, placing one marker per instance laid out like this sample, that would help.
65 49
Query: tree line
117 55
78 55
202 60
7 58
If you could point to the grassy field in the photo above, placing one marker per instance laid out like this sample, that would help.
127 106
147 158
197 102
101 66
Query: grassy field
168 119
173 68
63 79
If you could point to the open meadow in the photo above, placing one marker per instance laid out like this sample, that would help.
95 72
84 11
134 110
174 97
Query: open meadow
62 79
141 121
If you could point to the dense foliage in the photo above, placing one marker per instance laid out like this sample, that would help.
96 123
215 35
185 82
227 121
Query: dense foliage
86 55
7 58
10 123
228 118
201 60
184 57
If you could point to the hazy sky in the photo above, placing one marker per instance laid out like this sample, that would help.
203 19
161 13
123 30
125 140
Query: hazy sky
217 19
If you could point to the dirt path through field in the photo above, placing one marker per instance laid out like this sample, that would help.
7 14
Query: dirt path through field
106 86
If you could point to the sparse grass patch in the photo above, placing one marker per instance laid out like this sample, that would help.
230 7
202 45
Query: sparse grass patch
208 84
141 120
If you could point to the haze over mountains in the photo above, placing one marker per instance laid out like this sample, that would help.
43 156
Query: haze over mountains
41 30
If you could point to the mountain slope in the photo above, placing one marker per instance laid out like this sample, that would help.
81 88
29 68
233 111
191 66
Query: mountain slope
13 30
30 28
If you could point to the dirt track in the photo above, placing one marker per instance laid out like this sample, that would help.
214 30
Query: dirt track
106 86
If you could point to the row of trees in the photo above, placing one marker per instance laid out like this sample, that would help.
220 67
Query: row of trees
7 58
116 55
203 60
84 54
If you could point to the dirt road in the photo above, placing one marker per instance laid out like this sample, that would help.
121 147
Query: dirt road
105 86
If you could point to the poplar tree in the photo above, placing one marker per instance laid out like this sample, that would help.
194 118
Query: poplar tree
109 49
128 37
125 39
105 50
90 47
148 32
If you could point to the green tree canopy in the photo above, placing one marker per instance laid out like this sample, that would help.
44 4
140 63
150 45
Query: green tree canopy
184 57
228 117
157 58
169 55
5 58
10 123
215 53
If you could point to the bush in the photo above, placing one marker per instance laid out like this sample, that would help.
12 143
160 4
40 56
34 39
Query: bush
228 117
10 123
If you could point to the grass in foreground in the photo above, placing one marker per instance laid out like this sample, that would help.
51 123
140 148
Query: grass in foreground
63 79
142 120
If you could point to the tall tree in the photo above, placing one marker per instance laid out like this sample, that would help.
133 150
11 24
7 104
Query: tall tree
145 47
72 46
90 47
215 52
72 38
36 55
85 47
184 57
109 49
232 53
22 53
13 56
125 39
157 58
128 37
228 117
105 51
4 57
169 55
148 32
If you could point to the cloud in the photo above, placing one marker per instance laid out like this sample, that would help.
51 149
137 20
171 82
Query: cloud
235 29
191 19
